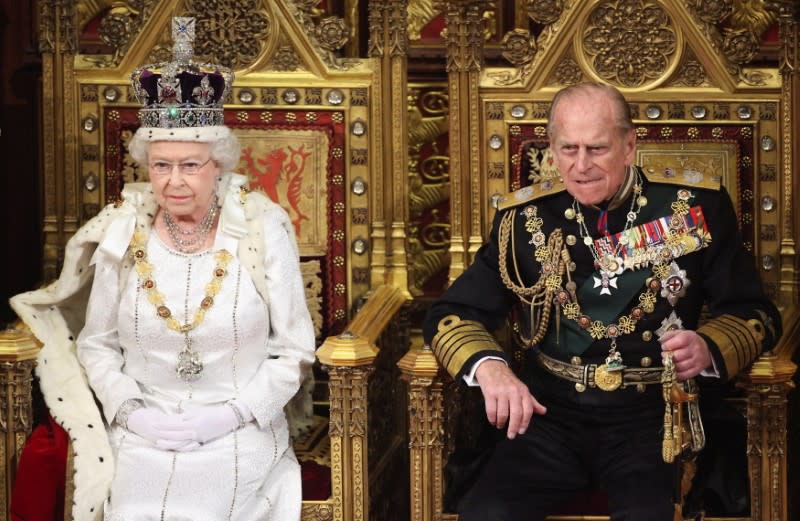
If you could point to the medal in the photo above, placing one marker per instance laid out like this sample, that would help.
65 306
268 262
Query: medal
605 282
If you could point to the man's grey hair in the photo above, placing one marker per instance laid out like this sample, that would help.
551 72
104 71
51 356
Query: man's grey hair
621 108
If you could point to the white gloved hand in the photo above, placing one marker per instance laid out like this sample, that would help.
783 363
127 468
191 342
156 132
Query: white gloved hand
211 422
154 426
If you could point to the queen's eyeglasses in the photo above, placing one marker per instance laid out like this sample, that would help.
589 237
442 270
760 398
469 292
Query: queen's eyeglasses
184 167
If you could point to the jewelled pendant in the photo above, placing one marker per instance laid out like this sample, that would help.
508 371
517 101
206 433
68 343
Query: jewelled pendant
189 366
614 361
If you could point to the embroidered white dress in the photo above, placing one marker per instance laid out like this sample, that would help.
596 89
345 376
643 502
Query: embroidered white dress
252 349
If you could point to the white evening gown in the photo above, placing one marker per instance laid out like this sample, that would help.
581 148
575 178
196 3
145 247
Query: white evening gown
249 475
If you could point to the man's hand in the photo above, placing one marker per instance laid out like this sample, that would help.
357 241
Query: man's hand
690 352
507 398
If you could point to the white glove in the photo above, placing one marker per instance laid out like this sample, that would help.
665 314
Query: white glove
154 426
211 422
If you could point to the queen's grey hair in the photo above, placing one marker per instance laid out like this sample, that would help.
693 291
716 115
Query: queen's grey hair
621 108
224 150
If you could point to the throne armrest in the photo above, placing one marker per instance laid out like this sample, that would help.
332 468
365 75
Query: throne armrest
18 350
767 383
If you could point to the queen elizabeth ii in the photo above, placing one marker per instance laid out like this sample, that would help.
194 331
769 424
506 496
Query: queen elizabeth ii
195 334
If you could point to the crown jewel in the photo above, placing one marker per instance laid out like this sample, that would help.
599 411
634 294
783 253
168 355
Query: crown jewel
182 93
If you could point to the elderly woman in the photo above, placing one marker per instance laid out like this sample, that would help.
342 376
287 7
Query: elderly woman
196 332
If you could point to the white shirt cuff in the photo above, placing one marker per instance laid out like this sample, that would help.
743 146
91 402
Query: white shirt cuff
469 378
711 372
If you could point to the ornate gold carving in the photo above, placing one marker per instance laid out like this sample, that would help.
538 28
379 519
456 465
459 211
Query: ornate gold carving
740 45
464 35
346 349
520 50
232 32
420 13
545 11
336 431
347 433
332 33
691 73
710 11
739 40
312 280
305 13
15 382
424 130
425 429
398 22
425 196
70 141
115 30
567 72
376 36
47 23
427 260
316 511
68 34
18 349
285 58
753 15
767 382
118 28
428 184
357 427
789 30
629 42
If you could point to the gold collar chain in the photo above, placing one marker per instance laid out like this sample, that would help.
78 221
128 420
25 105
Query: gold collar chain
189 365
550 289
145 271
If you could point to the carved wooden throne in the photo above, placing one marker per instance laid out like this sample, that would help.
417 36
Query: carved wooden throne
702 95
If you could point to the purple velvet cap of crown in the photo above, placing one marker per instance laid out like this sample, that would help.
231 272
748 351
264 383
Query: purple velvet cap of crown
189 81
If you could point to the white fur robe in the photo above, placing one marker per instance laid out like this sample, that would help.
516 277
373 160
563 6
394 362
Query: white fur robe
55 314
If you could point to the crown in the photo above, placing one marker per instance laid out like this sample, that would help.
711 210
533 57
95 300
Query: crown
181 93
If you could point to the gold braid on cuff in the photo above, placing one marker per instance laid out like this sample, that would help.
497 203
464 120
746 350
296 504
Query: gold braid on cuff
457 340
738 340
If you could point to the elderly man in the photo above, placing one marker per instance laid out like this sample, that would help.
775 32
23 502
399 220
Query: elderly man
607 269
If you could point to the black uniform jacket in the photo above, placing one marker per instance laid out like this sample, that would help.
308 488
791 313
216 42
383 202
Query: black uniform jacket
718 281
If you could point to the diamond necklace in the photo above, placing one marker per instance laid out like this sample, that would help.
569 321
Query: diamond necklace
192 239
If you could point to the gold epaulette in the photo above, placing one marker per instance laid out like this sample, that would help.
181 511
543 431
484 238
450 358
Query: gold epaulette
457 340
687 178
532 192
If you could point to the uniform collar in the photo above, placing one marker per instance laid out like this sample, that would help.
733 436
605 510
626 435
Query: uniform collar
623 192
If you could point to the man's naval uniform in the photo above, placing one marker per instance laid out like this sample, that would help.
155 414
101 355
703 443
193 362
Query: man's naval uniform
666 245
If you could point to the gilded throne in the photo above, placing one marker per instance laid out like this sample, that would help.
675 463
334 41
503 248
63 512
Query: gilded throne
310 115
408 154
698 106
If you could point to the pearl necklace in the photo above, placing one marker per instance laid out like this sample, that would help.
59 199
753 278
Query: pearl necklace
192 239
